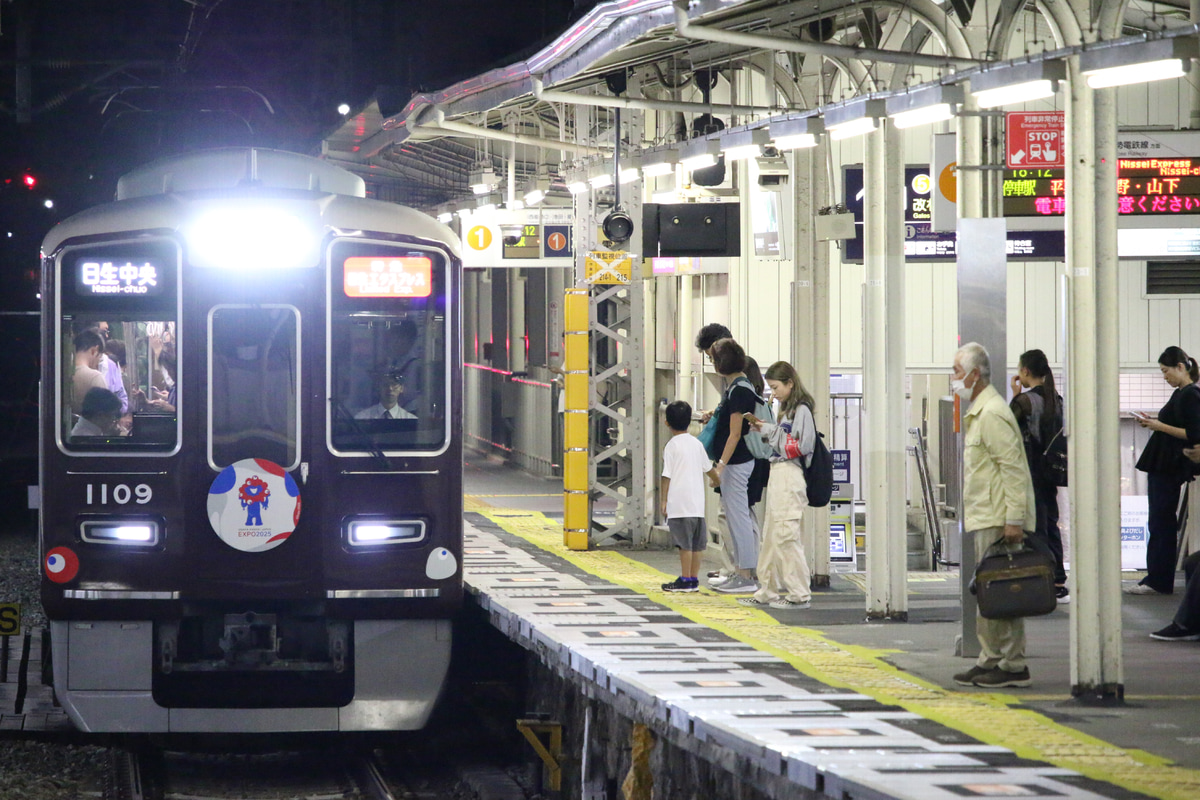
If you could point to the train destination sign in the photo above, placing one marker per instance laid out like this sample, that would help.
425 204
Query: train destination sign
402 276
117 277
1144 186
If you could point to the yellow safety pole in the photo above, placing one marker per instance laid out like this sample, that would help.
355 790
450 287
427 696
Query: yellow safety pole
577 505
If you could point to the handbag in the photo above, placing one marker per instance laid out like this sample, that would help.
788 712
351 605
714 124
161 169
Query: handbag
709 433
1015 584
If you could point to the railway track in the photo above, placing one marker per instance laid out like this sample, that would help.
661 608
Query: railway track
334 773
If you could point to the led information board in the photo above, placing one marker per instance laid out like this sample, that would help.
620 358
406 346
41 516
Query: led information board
527 245
921 242
1144 186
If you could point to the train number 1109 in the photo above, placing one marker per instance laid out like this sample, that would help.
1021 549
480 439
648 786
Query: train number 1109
120 494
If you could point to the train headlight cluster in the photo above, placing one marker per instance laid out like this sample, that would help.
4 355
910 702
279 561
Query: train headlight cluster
373 532
249 237
135 533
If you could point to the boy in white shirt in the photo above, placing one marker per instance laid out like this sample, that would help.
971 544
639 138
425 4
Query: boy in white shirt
681 495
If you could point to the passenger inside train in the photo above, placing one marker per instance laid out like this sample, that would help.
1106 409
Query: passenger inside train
100 416
134 352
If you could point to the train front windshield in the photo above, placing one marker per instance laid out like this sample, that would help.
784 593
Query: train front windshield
388 348
117 347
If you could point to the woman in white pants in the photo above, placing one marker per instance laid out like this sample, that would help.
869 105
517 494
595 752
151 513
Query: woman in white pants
783 573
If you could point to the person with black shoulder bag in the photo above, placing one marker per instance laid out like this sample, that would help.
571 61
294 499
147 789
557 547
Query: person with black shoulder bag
1038 409
998 509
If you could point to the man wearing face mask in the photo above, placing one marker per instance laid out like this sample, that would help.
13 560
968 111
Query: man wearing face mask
998 504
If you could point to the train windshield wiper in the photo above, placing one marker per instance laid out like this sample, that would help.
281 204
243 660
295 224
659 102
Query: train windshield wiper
368 439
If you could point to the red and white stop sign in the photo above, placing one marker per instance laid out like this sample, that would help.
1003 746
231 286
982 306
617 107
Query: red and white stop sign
1035 139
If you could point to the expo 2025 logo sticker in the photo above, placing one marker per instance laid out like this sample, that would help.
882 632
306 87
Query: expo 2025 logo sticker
254 505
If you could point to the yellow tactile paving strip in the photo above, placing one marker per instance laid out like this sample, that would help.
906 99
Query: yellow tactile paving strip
993 718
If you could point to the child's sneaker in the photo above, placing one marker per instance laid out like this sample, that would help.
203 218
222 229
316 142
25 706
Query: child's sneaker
680 585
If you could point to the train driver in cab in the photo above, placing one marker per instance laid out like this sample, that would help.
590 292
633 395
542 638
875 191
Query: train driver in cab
389 387
100 416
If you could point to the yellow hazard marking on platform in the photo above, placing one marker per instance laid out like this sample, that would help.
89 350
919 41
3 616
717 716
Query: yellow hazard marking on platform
993 718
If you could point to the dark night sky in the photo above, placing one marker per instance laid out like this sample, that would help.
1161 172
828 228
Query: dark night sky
112 85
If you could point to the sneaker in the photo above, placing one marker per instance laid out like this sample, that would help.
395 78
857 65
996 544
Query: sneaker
1174 633
1142 588
716 573
753 601
719 580
1063 594
680 585
968 678
737 585
1000 678
783 604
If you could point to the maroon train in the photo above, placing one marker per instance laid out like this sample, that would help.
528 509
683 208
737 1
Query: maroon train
251 456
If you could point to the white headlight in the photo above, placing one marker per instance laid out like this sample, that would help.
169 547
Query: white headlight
250 237
365 533
138 533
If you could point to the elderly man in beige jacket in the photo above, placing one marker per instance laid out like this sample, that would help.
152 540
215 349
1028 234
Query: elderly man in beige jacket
998 503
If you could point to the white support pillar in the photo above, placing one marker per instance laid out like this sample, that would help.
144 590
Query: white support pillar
883 375
969 180
686 386
810 323
1093 390
516 321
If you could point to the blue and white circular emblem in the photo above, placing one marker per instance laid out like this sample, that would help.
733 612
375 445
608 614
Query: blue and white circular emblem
254 505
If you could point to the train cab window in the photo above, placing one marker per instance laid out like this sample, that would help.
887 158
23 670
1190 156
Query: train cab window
388 349
254 384
117 347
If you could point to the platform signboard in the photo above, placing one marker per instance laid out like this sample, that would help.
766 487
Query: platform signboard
841 466
10 619
557 241
1135 512
1034 139
608 266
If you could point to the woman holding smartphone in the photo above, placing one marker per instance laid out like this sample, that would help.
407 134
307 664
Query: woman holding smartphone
1167 468
783 573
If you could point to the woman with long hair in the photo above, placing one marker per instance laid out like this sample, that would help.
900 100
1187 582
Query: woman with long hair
1167 468
783 573
1038 409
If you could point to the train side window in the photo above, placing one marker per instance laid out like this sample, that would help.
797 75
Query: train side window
117 347
388 357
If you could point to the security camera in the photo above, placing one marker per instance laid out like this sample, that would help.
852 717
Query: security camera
772 172
618 226
511 234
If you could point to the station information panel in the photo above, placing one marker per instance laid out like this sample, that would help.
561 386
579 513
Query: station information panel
1160 186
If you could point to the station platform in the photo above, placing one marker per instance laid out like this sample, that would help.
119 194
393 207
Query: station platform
819 698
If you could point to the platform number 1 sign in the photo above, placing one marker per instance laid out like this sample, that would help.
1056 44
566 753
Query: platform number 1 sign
479 237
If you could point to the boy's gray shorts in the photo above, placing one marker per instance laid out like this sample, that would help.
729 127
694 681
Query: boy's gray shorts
688 533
